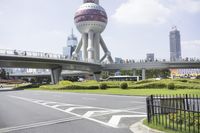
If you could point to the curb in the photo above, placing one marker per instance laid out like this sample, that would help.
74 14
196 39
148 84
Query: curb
139 127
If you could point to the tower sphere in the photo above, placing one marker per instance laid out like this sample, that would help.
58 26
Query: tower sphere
90 16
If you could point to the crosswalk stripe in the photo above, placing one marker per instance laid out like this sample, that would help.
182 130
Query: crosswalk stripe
116 118
58 105
113 121
90 113
73 108
45 103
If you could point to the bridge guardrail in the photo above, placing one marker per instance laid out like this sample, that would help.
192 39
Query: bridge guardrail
32 54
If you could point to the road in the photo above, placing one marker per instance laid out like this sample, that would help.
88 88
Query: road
55 112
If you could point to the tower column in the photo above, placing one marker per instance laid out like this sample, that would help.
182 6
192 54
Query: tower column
97 47
90 46
85 45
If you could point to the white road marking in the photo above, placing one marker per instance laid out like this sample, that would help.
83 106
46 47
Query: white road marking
90 113
48 103
73 108
91 119
116 118
61 105
113 122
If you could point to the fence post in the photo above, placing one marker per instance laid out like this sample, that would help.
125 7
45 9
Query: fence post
148 110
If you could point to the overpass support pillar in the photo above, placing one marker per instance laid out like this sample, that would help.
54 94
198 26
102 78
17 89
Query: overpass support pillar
56 75
97 76
143 74
134 72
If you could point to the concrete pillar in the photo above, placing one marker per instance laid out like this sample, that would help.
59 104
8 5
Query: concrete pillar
105 49
97 76
143 74
56 75
85 45
134 72
90 46
97 47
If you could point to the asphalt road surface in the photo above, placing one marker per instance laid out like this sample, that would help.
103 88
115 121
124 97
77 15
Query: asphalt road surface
54 112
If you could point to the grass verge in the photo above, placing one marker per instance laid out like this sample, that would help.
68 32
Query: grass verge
131 92
159 127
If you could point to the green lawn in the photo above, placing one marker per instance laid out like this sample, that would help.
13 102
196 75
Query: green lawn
141 88
132 92
160 128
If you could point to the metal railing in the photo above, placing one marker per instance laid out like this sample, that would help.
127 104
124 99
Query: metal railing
176 112
32 54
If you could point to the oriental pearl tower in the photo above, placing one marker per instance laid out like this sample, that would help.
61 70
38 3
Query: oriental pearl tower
91 20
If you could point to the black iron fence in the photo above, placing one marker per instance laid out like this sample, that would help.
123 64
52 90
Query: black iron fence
176 112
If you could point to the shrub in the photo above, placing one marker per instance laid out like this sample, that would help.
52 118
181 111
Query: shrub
27 86
123 85
157 85
171 86
65 82
68 87
103 86
145 81
183 80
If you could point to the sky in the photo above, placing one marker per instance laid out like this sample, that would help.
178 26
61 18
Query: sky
135 27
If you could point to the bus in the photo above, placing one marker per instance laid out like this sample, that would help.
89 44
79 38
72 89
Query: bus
124 78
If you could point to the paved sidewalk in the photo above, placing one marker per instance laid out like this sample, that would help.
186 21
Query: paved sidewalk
6 89
140 128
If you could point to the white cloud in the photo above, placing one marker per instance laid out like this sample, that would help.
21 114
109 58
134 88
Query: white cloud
191 48
141 12
1 12
191 6
193 43
152 11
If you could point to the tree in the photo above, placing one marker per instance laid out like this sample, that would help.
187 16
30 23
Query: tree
2 74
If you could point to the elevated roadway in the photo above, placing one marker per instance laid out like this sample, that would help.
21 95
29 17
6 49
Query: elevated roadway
56 63
153 65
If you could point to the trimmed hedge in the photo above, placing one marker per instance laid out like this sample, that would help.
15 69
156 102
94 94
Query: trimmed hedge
146 84
103 86
26 86
65 82
157 85
123 85
69 87
171 86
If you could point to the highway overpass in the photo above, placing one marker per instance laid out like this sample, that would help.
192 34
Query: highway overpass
56 63
152 65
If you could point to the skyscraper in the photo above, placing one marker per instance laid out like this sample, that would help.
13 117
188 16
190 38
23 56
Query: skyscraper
150 57
175 45
71 46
